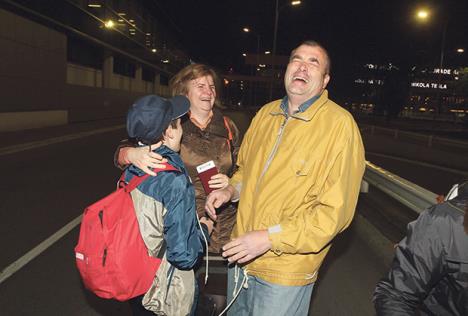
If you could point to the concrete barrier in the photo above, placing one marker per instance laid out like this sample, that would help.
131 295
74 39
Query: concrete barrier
15 121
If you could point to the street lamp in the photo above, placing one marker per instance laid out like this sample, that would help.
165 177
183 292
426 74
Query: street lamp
253 95
275 34
109 24
423 15
247 30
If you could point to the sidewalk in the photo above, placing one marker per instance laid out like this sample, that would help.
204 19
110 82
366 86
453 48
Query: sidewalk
30 135
26 139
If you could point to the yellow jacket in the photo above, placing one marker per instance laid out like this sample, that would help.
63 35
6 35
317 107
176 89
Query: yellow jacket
299 177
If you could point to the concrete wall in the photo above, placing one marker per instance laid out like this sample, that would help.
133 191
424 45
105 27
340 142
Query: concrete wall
39 88
84 76
32 65
16 121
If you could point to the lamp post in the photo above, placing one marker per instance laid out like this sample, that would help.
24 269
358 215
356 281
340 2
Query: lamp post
247 30
275 35
253 96
423 15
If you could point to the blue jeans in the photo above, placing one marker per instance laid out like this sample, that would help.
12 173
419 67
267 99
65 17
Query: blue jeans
262 298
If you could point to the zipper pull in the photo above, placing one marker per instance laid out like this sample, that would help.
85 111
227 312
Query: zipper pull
101 217
104 257
282 125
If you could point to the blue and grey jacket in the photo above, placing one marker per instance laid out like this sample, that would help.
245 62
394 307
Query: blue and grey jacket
165 209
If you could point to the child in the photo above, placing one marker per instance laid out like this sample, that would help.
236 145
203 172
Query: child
165 204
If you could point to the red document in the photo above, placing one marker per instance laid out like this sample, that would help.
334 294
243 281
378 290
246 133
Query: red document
205 172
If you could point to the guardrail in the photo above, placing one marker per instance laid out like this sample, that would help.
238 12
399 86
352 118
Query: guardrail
428 140
402 190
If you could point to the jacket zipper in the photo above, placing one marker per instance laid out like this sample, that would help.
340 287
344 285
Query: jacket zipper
273 152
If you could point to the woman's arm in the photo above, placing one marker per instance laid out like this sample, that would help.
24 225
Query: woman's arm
142 157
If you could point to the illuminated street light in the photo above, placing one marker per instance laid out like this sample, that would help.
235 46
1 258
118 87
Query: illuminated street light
460 50
247 30
275 35
94 5
244 54
154 50
109 24
422 14
267 52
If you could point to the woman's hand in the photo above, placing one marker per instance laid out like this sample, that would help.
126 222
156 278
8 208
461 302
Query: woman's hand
208 222
143 158
218 181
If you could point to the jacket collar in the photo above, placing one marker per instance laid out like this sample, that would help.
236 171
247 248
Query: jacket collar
215 127
309 111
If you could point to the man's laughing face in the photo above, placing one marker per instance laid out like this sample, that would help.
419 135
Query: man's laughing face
306 74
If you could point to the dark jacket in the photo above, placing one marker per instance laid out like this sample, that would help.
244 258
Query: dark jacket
165 208
199 146
429 273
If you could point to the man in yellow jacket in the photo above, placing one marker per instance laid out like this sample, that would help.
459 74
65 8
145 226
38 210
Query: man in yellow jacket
300 168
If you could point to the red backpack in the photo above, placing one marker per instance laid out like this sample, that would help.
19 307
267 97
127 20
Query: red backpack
111 255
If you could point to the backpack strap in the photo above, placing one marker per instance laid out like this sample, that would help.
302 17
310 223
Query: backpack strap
231 147
136 181
228 128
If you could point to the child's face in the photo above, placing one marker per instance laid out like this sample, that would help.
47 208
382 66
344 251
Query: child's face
175 135
178 131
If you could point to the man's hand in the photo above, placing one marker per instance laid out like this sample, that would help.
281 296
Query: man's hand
143 158
217 198
218 181
247 247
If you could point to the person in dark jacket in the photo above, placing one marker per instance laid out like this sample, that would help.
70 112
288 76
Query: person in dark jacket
208 135
429 274
165 204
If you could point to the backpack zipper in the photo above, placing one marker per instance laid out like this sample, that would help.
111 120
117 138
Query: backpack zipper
104 257
101 217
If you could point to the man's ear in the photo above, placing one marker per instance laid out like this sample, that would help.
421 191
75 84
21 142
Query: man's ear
326 79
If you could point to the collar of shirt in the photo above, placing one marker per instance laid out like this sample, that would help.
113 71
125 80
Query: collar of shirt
304 106
198 124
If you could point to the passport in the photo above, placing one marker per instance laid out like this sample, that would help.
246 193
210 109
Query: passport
205 172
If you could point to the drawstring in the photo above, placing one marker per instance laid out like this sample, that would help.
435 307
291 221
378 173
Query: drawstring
206 247
236 291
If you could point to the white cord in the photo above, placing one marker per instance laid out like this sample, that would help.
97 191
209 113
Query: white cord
236 291
206 247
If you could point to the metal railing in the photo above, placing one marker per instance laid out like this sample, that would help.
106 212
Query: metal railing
427 140
409 194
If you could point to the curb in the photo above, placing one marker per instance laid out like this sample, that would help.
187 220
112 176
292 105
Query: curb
40 143
382 247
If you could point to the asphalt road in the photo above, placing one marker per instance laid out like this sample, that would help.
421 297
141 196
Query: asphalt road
45 188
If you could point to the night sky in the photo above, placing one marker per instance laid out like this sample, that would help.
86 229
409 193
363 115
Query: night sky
354 32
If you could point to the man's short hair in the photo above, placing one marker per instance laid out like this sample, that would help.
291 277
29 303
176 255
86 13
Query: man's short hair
315 44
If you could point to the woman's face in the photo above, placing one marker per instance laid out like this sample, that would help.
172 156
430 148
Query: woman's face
202 93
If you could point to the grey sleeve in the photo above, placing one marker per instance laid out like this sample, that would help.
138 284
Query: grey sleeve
417 265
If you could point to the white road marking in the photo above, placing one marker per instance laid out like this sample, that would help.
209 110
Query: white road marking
36 251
